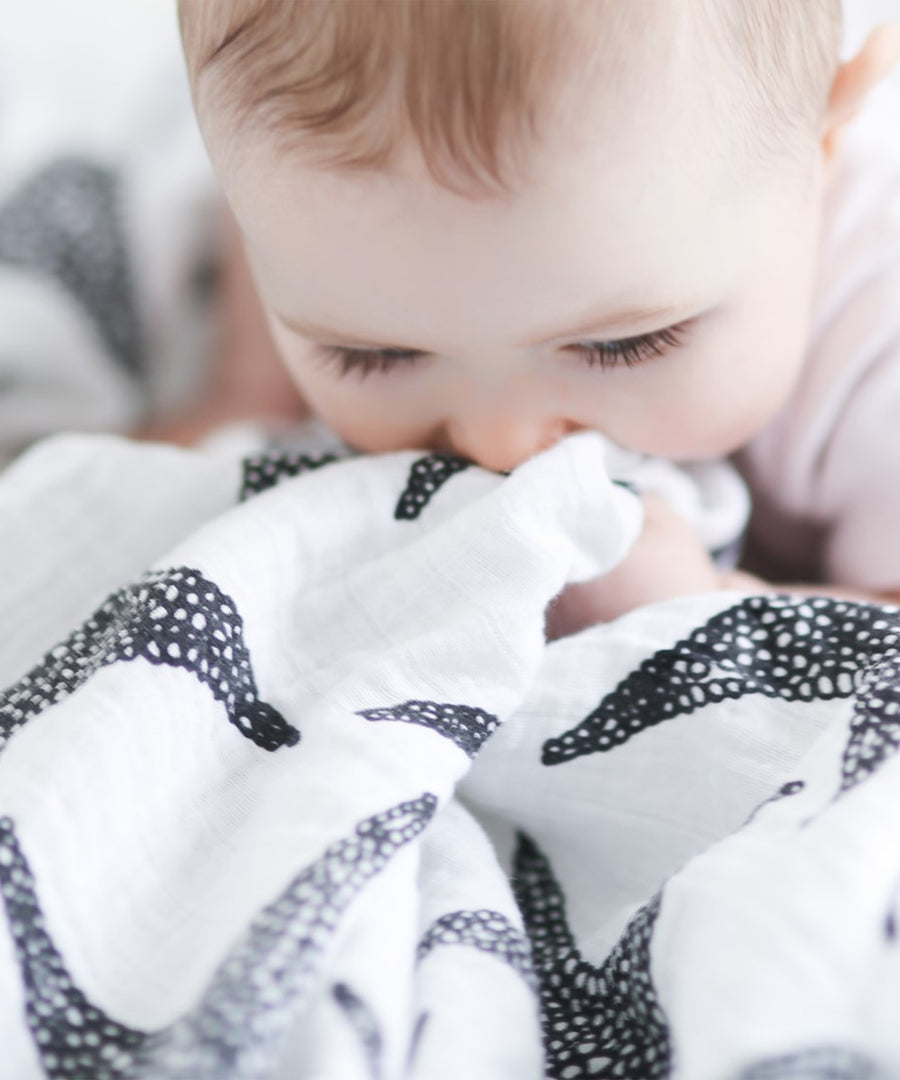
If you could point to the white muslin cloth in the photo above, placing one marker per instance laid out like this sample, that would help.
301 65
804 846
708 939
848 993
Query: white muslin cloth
292 785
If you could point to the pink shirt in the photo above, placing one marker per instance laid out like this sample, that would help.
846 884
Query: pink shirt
824 474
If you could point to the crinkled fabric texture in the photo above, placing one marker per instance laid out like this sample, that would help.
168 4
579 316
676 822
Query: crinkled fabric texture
291 784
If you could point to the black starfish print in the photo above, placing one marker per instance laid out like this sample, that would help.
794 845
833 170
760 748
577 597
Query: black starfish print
464 725
244 1014
176 618
792 787
485 930
819 1063
415 1040
64 223
890 920
69 1032
426 477
599 1022
810 649
263 471
364 1023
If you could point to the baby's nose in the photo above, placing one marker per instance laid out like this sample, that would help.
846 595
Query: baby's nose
502 440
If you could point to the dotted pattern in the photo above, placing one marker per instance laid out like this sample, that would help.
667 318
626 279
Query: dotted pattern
426 477
485 930
464 725
263 471
821 1063
597 1022
364 1023
238 1027
176 618
73 1038
65 223
779 646
875 727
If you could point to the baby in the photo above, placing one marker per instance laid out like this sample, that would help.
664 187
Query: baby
479 226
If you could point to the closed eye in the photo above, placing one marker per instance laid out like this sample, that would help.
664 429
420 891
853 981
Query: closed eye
363 362
630 351
603 354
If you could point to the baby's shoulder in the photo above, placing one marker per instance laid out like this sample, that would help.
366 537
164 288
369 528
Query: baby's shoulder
833 448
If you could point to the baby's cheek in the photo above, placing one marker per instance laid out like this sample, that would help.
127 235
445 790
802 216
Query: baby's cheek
732 388
704 416
365 413
719 418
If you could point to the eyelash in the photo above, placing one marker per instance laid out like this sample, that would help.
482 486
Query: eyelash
603 354
364 361
630 351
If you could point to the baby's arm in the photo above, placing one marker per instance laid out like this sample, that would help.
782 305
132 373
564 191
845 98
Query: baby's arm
668 559
248 380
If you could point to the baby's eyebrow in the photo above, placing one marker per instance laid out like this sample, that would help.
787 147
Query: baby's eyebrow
595 319
314 330
598 319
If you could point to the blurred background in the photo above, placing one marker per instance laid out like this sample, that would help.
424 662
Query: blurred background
873 11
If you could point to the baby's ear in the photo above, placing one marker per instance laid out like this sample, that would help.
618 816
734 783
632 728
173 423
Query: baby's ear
856 78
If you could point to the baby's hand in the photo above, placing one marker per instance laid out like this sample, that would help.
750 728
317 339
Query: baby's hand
667 560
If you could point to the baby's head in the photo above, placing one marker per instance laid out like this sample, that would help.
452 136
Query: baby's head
476 226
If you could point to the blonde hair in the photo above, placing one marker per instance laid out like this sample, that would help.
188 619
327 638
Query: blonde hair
350 81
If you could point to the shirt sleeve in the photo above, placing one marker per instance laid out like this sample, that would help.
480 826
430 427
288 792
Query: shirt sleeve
859 482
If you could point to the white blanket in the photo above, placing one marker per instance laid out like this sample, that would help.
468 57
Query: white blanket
292 786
